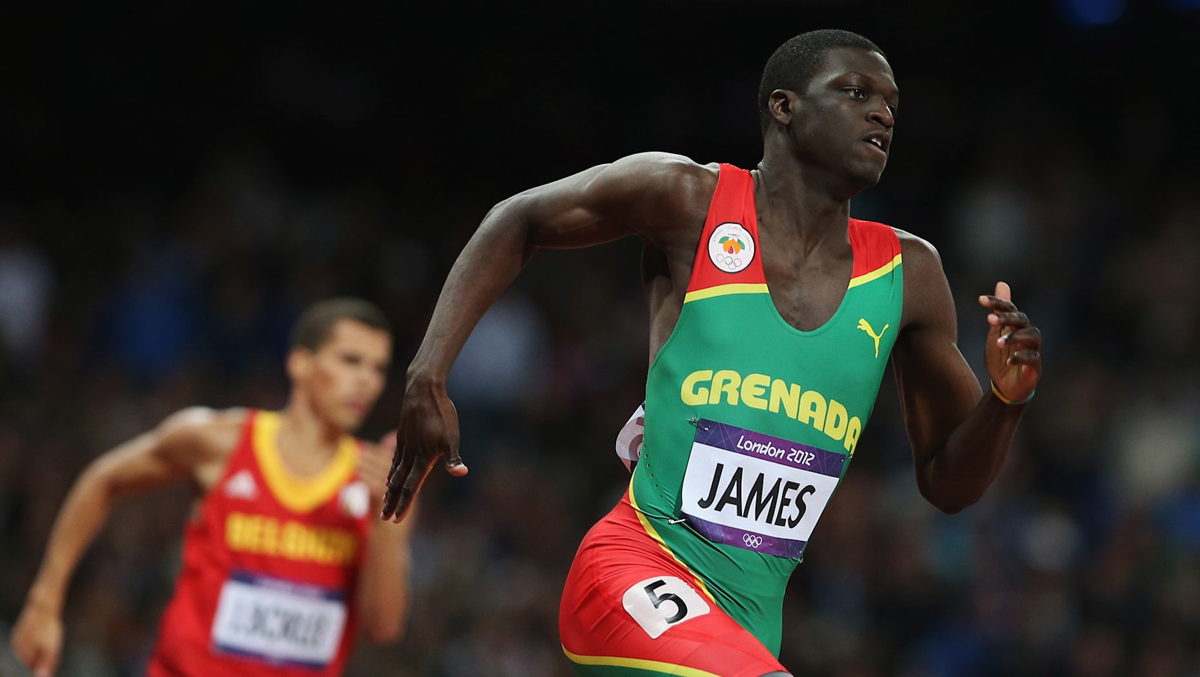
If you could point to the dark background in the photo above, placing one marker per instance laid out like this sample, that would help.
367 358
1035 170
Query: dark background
177 182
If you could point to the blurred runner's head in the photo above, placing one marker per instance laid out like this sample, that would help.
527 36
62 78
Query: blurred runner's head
339 358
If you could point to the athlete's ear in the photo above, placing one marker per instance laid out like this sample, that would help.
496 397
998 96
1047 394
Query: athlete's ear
782 104
299 363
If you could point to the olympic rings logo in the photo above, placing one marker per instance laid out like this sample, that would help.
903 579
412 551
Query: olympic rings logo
731 247
752 541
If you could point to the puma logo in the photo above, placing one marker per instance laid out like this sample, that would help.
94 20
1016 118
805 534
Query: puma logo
866 326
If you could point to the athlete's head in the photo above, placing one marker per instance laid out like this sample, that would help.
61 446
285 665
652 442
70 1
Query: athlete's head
832 94
340 352
794 63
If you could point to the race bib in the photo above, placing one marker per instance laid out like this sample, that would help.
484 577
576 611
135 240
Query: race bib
279 621
660 603
755 491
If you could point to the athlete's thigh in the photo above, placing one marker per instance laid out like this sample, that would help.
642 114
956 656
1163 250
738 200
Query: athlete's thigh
624 615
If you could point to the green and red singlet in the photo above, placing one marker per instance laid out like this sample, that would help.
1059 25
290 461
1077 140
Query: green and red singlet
749 426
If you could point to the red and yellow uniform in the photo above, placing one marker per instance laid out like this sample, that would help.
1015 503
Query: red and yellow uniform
269 567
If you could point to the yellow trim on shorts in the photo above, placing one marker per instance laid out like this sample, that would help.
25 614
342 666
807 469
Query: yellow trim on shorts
875 274
650 530
638 663
299 494
722 290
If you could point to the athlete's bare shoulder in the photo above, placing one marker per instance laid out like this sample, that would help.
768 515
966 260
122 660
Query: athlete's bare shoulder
921 251
926 291
668 170
665 193
199 441
669 175
206 434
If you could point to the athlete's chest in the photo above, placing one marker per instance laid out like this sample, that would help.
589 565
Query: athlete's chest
806 294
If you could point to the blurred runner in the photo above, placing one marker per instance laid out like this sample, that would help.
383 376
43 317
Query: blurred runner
281 562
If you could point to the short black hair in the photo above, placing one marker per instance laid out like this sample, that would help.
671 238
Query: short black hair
316 323
794 63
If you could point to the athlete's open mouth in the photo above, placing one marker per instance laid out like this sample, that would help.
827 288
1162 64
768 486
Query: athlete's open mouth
879 140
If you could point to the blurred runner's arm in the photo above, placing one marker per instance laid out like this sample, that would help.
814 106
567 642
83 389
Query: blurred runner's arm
597 205
960 433
383 581
169 453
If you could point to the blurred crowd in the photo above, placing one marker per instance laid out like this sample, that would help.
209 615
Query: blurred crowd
1082 560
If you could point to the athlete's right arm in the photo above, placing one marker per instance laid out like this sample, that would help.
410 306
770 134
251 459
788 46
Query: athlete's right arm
644 194
170 452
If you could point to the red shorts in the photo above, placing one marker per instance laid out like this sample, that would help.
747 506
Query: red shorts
630 608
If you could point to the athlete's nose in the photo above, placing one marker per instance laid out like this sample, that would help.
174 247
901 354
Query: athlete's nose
882 114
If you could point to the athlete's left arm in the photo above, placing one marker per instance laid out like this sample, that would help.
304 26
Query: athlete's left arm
382 598
960 433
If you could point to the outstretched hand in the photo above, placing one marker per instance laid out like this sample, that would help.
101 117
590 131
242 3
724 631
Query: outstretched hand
428 431
1013 350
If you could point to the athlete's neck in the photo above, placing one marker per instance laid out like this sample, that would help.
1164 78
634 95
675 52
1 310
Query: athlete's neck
306 442
791 206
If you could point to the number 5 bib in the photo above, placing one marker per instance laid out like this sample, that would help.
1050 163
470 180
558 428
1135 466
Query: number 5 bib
754 491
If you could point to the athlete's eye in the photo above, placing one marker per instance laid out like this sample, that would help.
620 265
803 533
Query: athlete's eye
856 93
